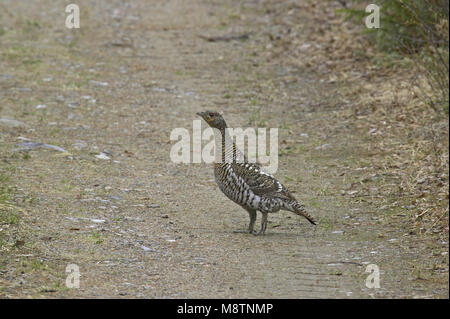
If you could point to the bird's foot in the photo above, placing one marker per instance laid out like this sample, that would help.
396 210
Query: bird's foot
241 231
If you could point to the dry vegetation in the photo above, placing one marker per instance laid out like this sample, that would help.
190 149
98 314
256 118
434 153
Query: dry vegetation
386 97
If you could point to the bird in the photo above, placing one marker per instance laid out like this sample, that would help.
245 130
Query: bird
246 183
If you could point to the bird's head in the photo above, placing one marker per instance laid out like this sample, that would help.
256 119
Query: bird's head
214 119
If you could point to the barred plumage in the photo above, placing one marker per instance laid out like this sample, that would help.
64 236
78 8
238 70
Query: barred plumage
245 183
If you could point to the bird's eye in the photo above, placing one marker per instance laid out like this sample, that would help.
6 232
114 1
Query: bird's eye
211 114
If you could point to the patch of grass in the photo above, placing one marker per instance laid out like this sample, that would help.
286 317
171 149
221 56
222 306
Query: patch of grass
5 189
293 149
9 218
67 186
57 286
17 53
325 223
31 25
31 61
419 31
31 265
391 60
315 204
255 118
253 102
2 244
54 132
95 237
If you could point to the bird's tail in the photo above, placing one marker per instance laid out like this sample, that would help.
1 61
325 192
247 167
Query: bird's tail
297 208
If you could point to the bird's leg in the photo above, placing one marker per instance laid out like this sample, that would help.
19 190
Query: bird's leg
252 214
263 224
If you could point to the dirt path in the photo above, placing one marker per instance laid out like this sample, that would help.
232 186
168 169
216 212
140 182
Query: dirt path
138 225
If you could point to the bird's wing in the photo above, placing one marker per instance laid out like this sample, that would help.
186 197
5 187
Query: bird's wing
261 183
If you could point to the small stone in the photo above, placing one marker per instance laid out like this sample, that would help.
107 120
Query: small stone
4 77
323 147
73 104
11 123
102 156
79 145
26 146
73 116
98 83
305 46
99 221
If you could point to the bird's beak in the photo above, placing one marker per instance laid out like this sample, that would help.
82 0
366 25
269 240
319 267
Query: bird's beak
200 114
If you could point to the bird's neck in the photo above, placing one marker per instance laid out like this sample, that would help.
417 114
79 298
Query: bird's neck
225 147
